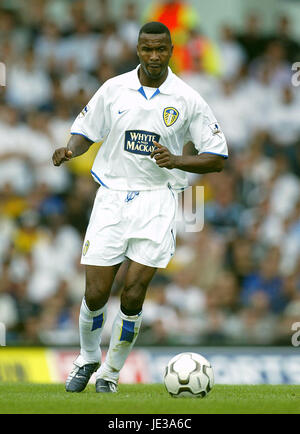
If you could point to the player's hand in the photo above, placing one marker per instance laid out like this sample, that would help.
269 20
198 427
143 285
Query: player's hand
61 155
163 156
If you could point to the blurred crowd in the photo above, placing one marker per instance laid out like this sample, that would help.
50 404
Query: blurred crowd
235 282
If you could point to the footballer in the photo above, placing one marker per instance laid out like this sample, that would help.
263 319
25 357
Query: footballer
144 117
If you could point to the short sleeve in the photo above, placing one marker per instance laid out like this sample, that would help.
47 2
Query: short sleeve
205 132
93 122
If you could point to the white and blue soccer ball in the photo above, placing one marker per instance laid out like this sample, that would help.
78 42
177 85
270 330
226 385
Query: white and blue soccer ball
189 375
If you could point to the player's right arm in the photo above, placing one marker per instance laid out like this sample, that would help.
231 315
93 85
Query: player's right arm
90 126
76 146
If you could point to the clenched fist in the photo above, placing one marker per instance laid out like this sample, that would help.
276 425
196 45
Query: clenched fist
163 156
61 155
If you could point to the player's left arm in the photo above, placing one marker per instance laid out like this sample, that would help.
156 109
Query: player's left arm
202 163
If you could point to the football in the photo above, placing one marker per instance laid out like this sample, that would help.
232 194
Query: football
189 375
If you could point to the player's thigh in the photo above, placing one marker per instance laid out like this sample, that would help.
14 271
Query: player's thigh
99 280
151 241
105 242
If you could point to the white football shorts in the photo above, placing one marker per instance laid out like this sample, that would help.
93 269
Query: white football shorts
139 225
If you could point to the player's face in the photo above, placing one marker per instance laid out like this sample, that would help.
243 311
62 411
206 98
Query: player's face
154 52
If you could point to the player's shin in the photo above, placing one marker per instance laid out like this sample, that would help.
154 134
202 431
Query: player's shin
91 324
124 334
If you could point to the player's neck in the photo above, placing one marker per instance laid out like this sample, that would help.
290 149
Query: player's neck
147 81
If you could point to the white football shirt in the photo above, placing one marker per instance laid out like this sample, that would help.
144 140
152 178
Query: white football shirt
128 121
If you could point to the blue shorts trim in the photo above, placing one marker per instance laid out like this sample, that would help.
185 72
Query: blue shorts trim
98 179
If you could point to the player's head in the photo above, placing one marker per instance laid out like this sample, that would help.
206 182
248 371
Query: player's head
154 49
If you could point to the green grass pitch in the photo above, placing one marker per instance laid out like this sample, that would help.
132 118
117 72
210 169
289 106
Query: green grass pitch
147 399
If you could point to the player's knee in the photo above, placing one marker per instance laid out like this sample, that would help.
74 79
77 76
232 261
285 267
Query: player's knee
95 297
133 297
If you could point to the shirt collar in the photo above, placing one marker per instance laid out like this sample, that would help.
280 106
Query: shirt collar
165 87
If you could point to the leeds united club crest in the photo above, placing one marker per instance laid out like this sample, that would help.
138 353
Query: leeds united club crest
170 116
86 247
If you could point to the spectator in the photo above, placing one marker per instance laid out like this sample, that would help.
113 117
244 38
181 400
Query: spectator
267 280
28 85
284 116
223 211
129 26
232 54
251 37
77 80
274 58
111 46
84 41
183 295
14 158
48 44
255 324
283 34
8 308
232 114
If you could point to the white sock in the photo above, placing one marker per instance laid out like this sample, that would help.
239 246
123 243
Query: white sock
124 334
90 329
